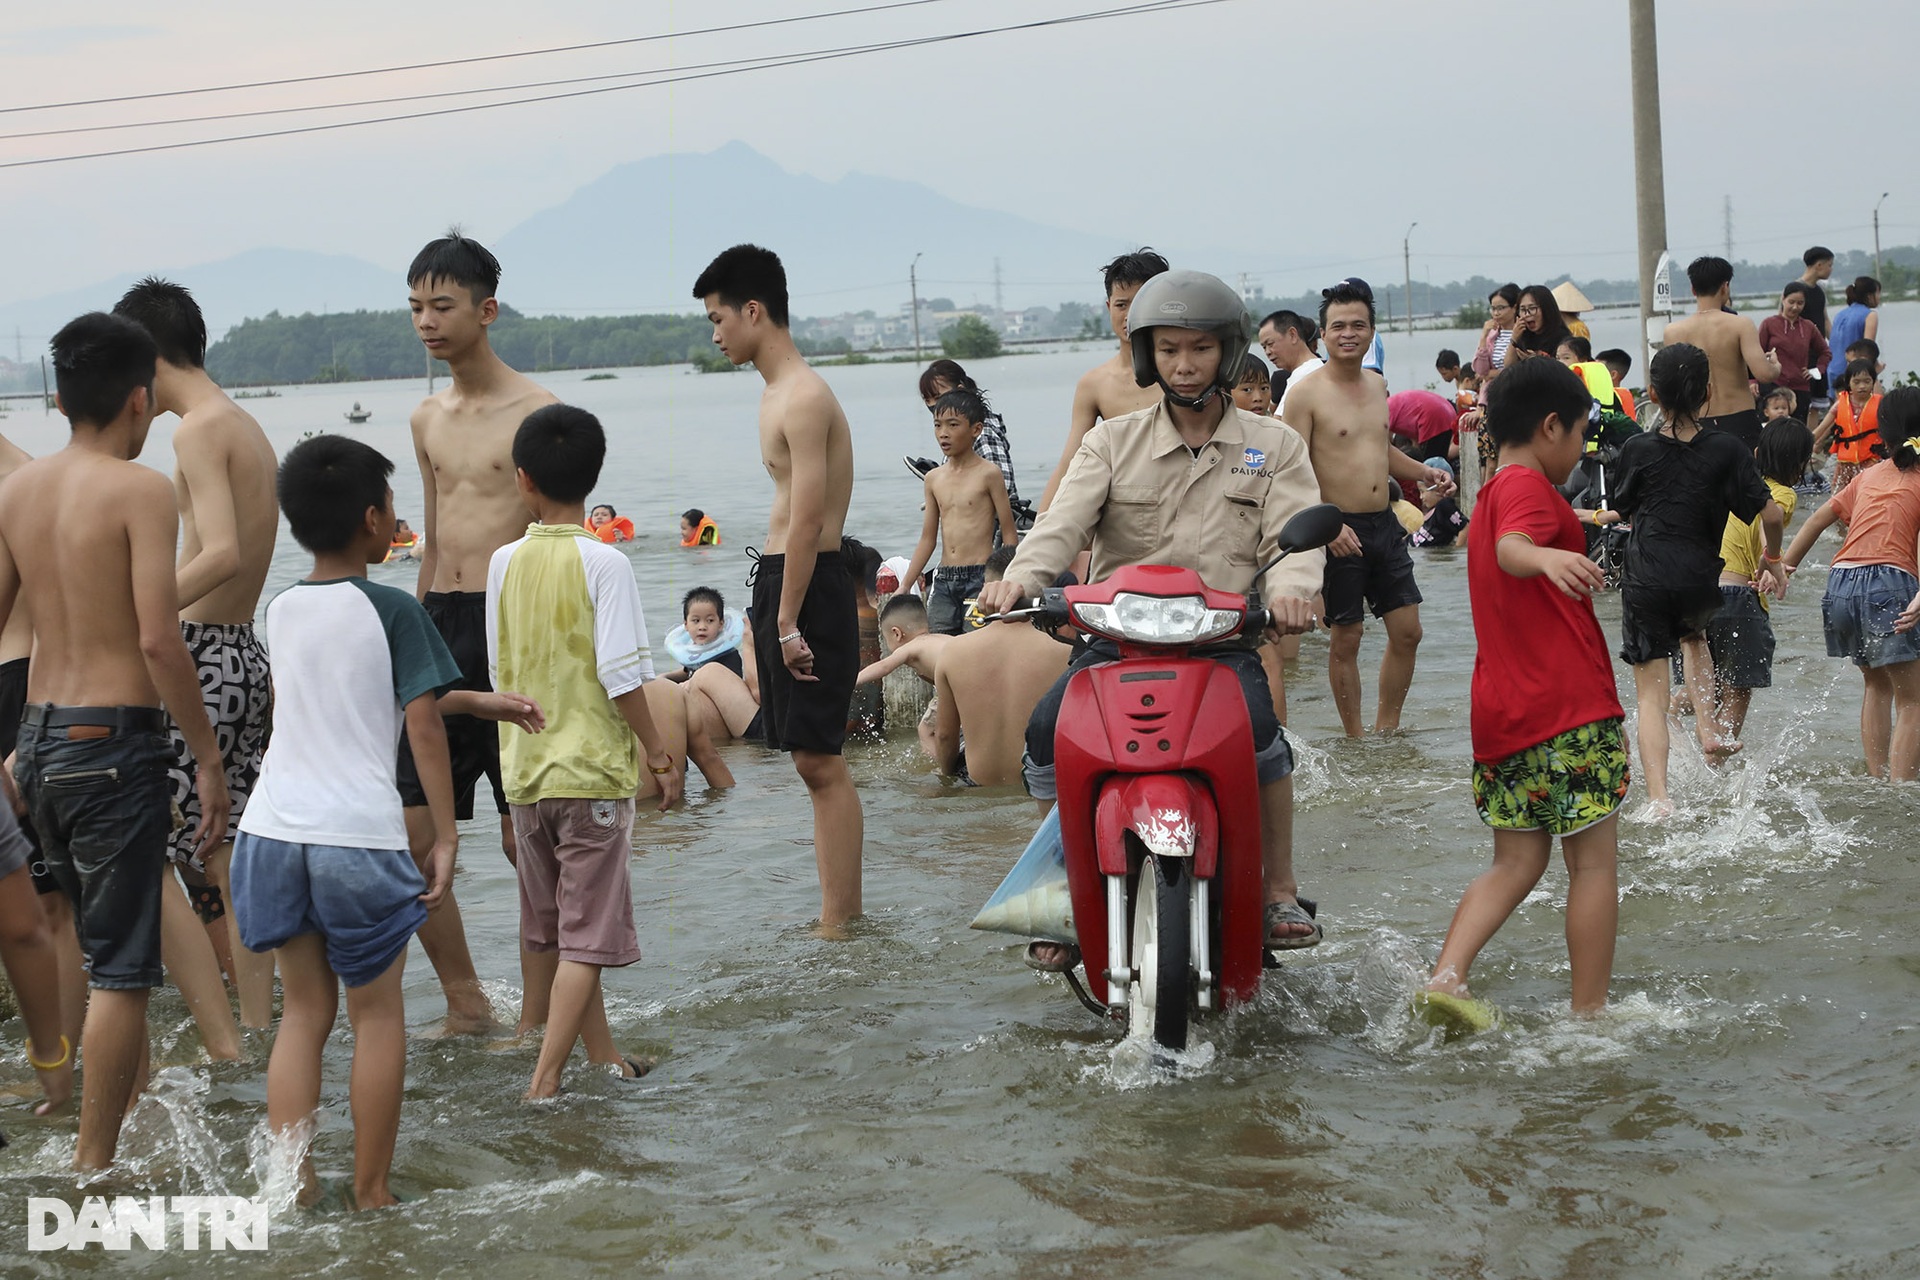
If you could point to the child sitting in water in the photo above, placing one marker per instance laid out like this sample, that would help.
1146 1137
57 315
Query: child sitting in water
1872 605
714 648
965 496
1550 754
707 633
609 525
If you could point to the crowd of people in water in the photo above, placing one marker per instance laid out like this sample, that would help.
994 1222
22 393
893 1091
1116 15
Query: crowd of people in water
190 811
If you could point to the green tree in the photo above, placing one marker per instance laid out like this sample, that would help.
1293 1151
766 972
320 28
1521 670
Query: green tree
1470 316
969 338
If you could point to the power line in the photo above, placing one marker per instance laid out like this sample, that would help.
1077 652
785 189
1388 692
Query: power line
461 62
771 62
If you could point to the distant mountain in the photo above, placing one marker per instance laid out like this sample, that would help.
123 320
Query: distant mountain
635 239
253 283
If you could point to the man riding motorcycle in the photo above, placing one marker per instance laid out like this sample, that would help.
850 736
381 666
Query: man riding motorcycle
1197 483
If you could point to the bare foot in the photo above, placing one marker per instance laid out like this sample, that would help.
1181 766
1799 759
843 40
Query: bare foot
1051 957
373 1198
1718 750
468 1018
1654 811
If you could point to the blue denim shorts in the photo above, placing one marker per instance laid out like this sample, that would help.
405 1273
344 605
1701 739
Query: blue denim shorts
953 586
1859 608
104 811
364 902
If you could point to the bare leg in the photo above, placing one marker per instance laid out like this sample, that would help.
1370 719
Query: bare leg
1343 674
1593 910
379 1019
310 999
924 729
700 749
444 938
1276 853
72 966
1903 757
536 972
252 972
728 694
576 987
1697 660
1731 709
1519 860
1396 665
115 1045
1876 718
838 833
1650 688
33 967
188 955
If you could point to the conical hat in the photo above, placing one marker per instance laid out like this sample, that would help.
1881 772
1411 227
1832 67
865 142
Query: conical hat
1568 295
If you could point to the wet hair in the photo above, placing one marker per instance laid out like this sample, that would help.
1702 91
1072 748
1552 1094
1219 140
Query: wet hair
98 361
459 260
1614 357
1138 267
1866 348
692 515
1582 349
864 559
1447 359
1819 253
1509 291
1519 400
1781 393
949 372
1899 424
903 609
1785 448
326 484
168 312
703 595
603 506
1292 321
1862 288
1856 368
1678 378
1553 329
967 404
1351 289
747 273
997 562
561 448
1707 273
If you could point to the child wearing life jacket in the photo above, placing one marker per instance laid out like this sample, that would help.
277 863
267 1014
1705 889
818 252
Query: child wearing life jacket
696 530
1851 428
609 524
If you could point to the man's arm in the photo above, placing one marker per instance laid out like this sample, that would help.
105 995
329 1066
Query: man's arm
202 457
1086 412
1060 532
1295 579
929 536
152 527
946 724
429 508
805 431
1763 365
427 733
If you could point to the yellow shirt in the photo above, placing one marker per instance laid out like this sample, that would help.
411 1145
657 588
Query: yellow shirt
1743 544
1138 495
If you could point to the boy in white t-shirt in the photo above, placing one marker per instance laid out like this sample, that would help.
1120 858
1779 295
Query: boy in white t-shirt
321 872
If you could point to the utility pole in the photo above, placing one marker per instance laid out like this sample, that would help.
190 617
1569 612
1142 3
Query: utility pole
1649 171
1876 234
46 399
1726 215
1406 266
913 283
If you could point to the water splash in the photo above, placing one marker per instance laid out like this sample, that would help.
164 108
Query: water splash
169 1135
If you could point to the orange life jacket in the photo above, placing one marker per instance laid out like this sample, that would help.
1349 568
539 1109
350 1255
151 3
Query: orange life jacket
1853 439
618 529
707 535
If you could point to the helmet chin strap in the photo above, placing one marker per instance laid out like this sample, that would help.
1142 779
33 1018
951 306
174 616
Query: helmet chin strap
1200 401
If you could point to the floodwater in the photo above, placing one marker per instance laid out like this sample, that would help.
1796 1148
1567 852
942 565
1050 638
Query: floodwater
913 1101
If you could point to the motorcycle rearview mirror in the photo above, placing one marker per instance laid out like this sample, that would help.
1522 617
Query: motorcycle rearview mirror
1314 527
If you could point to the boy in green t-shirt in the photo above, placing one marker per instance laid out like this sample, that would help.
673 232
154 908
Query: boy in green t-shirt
564 626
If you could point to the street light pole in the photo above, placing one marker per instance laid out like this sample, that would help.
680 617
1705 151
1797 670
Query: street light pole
1406 266
913 283
1876 234
1649 174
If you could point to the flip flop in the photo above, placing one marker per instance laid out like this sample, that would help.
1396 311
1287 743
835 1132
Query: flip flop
639 1066
1068 958
1456 1015
1278 913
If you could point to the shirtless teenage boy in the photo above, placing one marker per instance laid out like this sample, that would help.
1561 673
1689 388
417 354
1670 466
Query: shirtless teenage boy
805 620
86 539
986 685
1108 390
1341 412
223 484
463 441
965 499
1733 351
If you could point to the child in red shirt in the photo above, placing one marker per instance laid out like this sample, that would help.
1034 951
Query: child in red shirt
1550 756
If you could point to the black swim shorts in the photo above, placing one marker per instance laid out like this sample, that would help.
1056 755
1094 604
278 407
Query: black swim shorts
808 715
473 744
1741 639
1654 619
237 691
1744 426
1380 577
13 699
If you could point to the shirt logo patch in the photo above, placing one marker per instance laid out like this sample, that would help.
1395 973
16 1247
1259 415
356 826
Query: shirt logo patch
1255 458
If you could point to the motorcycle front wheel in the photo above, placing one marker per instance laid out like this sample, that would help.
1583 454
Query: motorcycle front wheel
1162 992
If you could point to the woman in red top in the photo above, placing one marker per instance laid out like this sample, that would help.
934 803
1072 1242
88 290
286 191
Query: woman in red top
1799 345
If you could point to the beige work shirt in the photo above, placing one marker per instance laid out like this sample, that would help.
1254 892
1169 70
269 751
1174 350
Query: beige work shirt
1138 495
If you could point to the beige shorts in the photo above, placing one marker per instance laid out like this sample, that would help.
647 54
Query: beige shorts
575 894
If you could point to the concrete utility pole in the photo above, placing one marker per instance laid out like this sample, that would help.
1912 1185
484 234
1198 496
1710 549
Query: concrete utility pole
1726 214
1649 175
913 283
1406 267
1876 233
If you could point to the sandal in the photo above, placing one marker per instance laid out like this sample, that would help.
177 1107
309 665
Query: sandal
1290 913
1063 963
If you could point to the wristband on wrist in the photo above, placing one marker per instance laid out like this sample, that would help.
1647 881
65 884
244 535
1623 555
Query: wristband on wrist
1770 559
659 773
790 637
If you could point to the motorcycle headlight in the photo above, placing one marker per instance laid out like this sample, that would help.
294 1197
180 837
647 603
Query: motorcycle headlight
1166 620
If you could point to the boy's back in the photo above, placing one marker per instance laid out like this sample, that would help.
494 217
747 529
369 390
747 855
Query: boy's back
992 679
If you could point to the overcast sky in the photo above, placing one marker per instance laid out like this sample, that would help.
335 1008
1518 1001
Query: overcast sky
1321 130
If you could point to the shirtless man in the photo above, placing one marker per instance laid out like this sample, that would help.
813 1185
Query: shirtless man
985 687
1108 390
223 484
1733 351
966 500
86 539
463 441
806 627
1341 413
1291 341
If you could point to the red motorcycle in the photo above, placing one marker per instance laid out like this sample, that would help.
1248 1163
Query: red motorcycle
1159 805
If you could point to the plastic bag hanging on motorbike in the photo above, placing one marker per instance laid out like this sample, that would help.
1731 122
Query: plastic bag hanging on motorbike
1032 902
